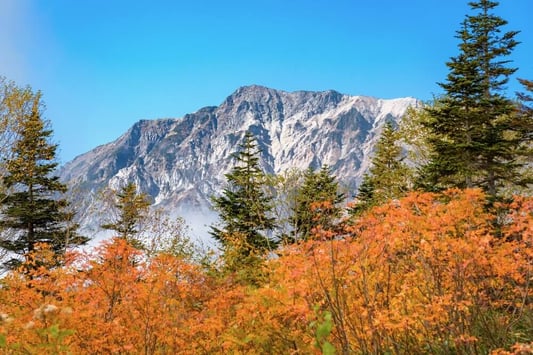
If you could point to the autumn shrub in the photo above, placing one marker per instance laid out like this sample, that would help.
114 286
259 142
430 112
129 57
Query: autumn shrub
137 306
33 318
425 274
111 301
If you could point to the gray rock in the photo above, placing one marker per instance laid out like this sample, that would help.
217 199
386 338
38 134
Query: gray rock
181 162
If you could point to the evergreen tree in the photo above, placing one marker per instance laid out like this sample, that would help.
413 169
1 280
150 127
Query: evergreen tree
474 133
31 212
316 204
132 207
244 208
526 97
388 177
365 196
526 108
526 114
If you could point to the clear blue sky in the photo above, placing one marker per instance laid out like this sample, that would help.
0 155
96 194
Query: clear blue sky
104 64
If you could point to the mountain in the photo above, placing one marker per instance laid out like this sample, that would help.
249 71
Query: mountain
181 162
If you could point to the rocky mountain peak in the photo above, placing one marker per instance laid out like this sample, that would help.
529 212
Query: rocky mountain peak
181 162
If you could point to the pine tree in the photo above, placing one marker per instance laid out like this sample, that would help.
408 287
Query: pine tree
526 120
526 97
526 108
244 208
132 207
475 131
32 212
316 204
388 177
365 196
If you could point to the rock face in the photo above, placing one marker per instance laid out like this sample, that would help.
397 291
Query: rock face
181 162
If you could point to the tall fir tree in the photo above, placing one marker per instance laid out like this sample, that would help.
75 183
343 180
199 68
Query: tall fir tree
316 204
244 208
388 177
526 97
132 207
32 213
364 199
526 107
475 132
526 114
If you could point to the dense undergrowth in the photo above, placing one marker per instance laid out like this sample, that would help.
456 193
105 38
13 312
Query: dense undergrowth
428 273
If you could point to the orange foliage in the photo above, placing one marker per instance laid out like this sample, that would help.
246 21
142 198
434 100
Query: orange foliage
424 274
418 272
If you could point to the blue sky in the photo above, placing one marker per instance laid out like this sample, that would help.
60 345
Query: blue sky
104 64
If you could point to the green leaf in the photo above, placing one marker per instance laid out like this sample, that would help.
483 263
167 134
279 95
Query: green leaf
324 330
328 349
54 330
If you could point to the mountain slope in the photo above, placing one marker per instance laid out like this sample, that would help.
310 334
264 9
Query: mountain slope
181 162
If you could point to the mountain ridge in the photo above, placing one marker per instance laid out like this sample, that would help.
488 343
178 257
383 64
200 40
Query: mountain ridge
181 162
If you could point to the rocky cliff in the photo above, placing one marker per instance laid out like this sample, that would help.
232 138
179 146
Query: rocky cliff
181 162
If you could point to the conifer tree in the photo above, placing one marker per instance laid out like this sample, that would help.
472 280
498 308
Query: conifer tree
244 208
132 207
388 177
32 213
526 100
526 120
526 97
475 131
365 196
316 203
